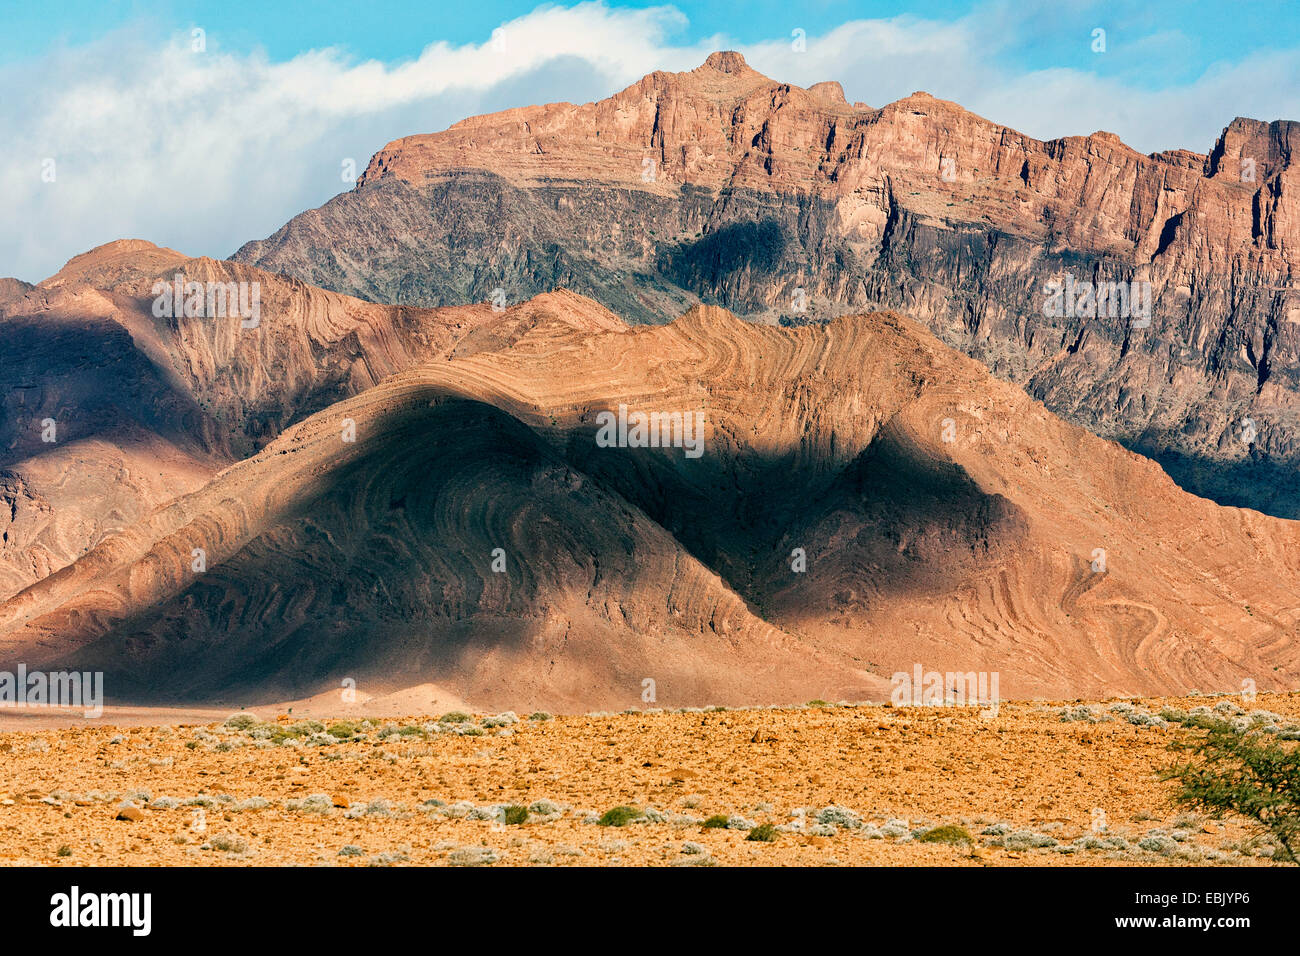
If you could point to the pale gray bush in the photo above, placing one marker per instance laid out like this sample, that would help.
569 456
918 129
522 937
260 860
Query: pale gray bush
229 843
545 808
839 817
458 810
1158 843
1081 712
473 856
316 803
1027 840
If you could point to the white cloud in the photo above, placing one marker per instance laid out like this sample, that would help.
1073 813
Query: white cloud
202 151
879 61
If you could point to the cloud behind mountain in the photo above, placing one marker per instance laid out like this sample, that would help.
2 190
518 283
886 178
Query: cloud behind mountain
200 150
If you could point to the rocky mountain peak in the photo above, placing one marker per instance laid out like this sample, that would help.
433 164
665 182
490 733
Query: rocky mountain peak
727 61
1250 150
830 91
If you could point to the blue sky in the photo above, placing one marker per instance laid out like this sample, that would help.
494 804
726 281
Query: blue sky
202 150
1193 35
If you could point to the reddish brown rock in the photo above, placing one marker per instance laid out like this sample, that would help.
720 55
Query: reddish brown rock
943 518
725 186
142 409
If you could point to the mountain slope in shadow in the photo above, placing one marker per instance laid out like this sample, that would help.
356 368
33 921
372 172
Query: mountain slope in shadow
111 410
945 519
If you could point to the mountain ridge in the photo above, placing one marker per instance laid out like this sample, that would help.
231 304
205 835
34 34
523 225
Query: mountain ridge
726 187
943 516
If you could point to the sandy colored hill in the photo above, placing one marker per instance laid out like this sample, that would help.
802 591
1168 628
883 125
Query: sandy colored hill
946 520
146 407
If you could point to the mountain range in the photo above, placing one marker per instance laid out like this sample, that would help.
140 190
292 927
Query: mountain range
725 187
398 474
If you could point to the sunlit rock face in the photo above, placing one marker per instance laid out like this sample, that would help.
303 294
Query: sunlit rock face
783 204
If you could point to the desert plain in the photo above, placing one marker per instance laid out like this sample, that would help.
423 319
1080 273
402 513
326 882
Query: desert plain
1064 783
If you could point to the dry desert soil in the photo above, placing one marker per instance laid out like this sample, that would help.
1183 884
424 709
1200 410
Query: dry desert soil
1039 783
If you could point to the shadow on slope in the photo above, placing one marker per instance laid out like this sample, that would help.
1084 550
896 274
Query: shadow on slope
1258 482
88 376
896 520
387 576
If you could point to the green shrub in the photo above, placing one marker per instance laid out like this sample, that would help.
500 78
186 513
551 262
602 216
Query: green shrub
454 717
343 729
515 814
302 728
539 715
946 834
1237 771
718 821
619 816
763 833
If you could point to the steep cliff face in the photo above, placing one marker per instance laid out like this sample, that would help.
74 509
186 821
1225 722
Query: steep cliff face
722 186
11 290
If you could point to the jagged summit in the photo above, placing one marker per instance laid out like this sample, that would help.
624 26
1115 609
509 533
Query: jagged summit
727 61
830 91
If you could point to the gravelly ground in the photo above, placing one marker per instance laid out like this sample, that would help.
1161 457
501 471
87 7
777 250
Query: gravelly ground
840 784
